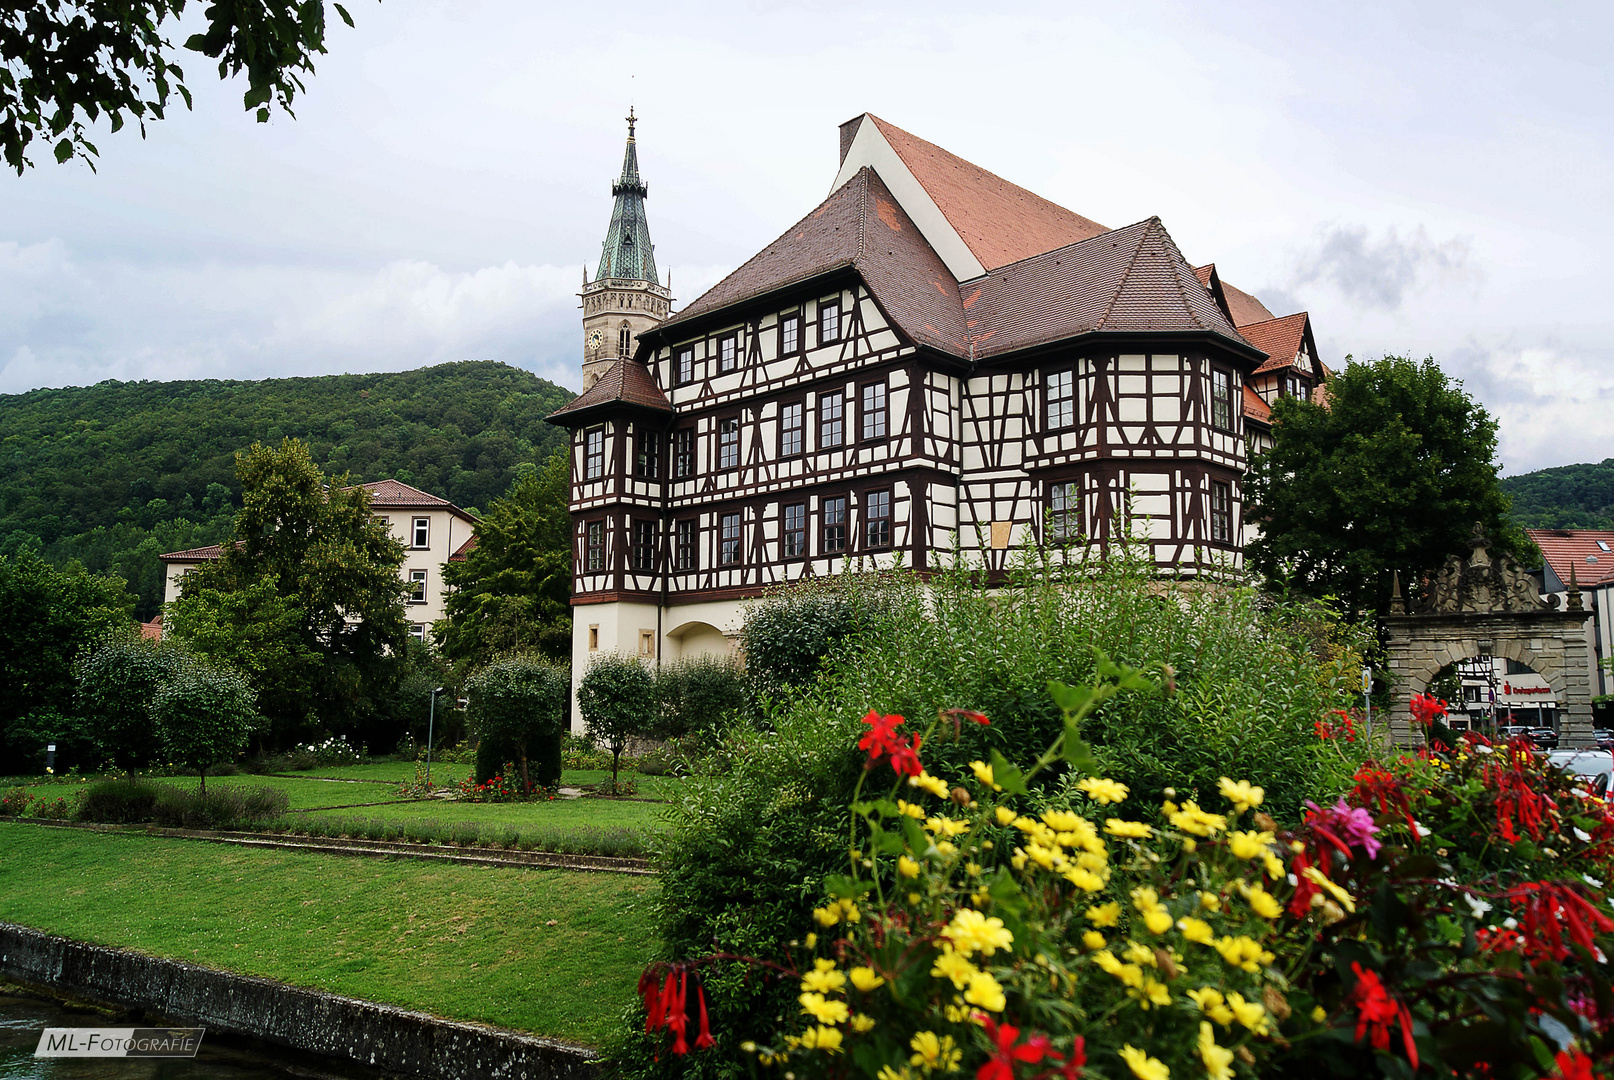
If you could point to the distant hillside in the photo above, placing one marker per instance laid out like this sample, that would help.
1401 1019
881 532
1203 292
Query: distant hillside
117 473
1568 497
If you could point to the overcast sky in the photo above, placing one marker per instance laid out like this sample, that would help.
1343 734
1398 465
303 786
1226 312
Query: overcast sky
1424 179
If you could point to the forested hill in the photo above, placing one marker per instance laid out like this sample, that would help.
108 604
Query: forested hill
117 473
1567 497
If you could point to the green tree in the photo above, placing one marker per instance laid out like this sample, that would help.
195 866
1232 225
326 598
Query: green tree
52 617
617 697
203 715
513 590
116 682
65 63
309 588
695 695
1391 474
519 702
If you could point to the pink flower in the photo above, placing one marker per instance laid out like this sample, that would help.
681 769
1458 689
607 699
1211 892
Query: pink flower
1351 824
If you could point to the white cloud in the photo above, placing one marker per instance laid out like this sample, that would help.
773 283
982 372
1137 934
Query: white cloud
1552 402
1381 273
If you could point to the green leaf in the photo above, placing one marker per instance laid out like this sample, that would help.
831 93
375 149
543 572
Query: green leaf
1007 776
1078 754
842 887
918 839
342 11
1070 699
64 150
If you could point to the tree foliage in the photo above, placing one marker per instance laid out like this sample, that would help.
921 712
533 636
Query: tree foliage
306 599
1391 474
116 474
698 695
1567 497
513 590
66 63
116 682
53 616
617 698
202 715
519 702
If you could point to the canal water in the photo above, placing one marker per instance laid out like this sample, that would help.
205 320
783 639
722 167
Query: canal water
22 1018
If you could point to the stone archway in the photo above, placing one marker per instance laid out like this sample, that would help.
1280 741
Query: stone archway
1481 606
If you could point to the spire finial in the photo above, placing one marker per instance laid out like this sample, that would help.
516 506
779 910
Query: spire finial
631 121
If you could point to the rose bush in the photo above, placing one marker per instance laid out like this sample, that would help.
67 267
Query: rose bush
1446 917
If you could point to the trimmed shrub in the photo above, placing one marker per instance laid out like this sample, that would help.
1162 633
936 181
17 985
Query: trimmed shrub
518 704
203 715
698 695
115 684
617 697
118 801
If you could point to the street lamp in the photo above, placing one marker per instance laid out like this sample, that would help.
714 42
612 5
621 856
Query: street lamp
431 726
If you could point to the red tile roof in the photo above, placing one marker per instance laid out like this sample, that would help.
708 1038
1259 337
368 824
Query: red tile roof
625 382
201 554
999 222
1246 309
396 493
1281 339
1255 408
153 630
463 550
1577 550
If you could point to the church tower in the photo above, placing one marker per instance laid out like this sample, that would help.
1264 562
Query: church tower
624 300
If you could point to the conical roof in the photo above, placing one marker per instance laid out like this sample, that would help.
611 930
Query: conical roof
629 254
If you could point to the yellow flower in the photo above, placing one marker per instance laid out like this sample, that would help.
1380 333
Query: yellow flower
930 784
985 992
1191 819
1211 1003
1193 929
908 808
1005 816
1243 953
1103 790
950 965
1158 921
1210 901
1044 857
1145 899
1248 844
1140 954
827 1039
1240 794
862 1022
827 916
1218 1060
1252 1014
824 1010
1104 914
1092 939
934 1053
811 941
907 867
1264 903
1061 820
947 826
1085 880
888 1073
823 979
865 979
1137 830
1319 1014
1151 993
1142 1065
1321 879
1274 866
983 773
971 933
849 911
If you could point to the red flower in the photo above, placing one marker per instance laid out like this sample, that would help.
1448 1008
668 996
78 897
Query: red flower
1547 909
1573 1065
1004 1051
1426 709
1376 1011
668 1006
882 739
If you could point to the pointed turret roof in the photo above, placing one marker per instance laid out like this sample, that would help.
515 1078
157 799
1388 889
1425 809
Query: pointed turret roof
629 254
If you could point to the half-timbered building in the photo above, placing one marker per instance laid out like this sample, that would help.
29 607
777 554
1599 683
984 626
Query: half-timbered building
932 356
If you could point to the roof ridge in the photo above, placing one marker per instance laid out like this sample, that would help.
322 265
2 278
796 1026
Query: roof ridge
1126 277
1176 276
862 211
1054 251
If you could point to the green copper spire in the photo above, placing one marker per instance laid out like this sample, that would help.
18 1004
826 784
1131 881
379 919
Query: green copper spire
628 253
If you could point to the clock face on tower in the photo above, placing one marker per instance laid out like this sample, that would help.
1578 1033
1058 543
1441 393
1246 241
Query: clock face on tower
594 341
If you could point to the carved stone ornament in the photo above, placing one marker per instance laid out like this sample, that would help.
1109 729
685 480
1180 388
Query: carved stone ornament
1481 585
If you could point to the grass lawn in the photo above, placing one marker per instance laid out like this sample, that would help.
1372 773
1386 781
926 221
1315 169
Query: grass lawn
466 943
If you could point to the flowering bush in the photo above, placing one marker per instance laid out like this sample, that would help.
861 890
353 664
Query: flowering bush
15 802
333 751
505 786
1446 916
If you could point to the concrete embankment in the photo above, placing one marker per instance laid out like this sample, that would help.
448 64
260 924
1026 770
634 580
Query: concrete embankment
379 1036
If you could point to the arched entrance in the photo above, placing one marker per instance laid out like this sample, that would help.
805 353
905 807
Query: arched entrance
1490 610
696 638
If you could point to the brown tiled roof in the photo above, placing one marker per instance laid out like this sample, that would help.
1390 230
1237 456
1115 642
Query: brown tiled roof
399 494
1255 408
1280 339
862 226
463 550
625 382
1246 309
998 221
1572 548
153 630
1130 280
201 554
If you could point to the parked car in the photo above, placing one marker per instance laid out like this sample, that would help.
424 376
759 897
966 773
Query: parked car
1545 738
1513 731
1594 766
1605 738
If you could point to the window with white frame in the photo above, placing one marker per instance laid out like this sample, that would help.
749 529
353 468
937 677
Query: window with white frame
728 542
831 420
417 586
594 454
728 353
418 632
795 530
789 335
790 429
874 412
644 545
877 519
833 511
594 546
683 453
1064 511
684 549
1061 399
829 321
728 443
1221 399
685 366
421 533
1221 512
